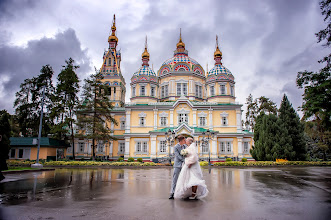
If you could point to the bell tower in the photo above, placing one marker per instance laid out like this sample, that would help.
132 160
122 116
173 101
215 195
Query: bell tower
111 70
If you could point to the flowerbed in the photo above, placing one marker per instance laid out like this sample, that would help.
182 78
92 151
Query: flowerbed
136 164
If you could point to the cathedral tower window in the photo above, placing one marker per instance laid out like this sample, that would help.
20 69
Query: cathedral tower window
224 119
232 90
152 91
133 91
142 121
212 91
181 89
223 90
142 90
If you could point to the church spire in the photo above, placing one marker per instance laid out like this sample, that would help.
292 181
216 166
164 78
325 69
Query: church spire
217 53
112 39
145 55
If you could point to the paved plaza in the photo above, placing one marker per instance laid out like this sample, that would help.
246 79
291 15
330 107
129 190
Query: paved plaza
235 193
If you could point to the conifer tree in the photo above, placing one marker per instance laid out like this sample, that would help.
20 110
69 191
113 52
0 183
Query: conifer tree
65 102
94 113
295 128
5 132
271 139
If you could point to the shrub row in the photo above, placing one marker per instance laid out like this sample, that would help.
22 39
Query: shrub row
272 163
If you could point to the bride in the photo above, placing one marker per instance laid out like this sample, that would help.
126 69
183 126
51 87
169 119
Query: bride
190 182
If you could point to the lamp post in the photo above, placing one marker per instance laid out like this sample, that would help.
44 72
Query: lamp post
37 164
207 136
170 137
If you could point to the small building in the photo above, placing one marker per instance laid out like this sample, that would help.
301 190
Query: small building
27 147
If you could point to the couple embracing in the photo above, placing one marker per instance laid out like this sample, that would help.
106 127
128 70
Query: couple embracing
187 180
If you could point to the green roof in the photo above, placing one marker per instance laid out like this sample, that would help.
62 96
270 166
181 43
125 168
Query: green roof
196 129
44 141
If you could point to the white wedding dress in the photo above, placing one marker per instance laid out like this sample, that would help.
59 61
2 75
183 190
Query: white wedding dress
189 177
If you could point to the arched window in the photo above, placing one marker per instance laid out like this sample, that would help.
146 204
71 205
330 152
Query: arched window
164 72
182 69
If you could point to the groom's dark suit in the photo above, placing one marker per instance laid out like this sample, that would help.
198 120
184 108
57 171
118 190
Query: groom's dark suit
179 159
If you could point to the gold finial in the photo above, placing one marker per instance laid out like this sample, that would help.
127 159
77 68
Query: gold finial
180 42
145 53
113 37
217 52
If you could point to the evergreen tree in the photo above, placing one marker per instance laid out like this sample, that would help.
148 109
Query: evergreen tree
5 133
28 103
271 139
94 113
295 128
65 102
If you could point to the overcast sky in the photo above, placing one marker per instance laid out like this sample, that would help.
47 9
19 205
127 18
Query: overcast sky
264 43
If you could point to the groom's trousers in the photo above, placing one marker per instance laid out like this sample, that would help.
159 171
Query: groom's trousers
174 178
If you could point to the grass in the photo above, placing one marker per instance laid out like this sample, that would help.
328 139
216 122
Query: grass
20 168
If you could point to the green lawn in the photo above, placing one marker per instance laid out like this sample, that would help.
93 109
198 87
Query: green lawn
20 168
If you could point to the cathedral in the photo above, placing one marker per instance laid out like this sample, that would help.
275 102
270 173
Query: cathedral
179 99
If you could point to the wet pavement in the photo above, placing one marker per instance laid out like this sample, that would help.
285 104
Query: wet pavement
247 193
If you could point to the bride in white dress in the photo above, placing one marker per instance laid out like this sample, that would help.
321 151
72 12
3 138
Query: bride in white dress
190 183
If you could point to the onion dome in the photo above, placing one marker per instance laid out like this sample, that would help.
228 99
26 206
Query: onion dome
219 69
145 69
112 37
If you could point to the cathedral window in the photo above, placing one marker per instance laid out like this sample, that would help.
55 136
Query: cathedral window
182 69
109 62
202 121
141 147
162 92
232 91
212 91
223 92
163 146
100 146
142 121
133 91
181 89
163 121
224 121
166 91
109 91
246 147
205 148
114 90
152 91
228 147
142 90
121 148
182 118
222 147
122 125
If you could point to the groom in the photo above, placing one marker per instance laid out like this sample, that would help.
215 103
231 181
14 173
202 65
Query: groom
179 159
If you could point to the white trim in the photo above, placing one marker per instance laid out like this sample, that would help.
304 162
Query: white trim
163 114
202 114
183 111
181 81
142 115
122 118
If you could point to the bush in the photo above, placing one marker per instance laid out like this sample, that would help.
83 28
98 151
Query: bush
244 160
203 163
120 159
130 159
228 160
148 164
140 160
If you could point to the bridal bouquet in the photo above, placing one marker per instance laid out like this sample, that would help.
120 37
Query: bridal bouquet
184 152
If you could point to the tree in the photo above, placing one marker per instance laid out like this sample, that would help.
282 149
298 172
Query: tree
295 128
251 114
5 133
271 139
316 104
94 113
28 102
254 108
65 102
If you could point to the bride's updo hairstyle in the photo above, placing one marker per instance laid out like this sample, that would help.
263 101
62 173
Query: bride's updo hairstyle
190 140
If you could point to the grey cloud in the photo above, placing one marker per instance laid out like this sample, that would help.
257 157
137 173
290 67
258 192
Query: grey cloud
20 63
